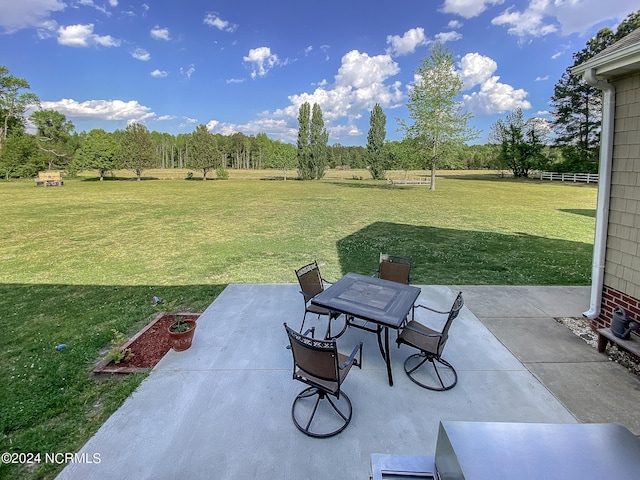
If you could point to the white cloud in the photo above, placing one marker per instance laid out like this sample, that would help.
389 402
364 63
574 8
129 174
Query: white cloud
531 21
493 96
443 37
476 69
159 73
188 71
164 118
235 80
261 60
141 54
130 111
83 36
100 8
468 8
360 83
278 128
213 20
160 33
542 17
496 97
577 16
15 15
186 121
542 79
455 24
407 43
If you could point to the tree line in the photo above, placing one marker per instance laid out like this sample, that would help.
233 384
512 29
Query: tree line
437 135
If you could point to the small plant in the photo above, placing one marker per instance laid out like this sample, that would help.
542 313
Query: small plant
180 326
116 354
222 173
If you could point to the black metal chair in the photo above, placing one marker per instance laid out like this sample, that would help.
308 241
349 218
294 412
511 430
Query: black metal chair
319 364
396 269
431 343
311 284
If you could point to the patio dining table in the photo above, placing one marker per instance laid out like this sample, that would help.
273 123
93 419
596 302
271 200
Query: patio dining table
379 304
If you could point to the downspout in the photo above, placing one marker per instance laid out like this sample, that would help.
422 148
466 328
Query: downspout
604 190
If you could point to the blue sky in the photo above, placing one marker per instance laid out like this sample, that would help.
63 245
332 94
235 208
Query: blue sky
239 65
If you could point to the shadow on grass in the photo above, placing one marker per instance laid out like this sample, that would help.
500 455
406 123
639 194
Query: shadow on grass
123 179
587 212
374 184
467 257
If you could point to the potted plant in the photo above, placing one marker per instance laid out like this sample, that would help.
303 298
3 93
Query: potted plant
181 333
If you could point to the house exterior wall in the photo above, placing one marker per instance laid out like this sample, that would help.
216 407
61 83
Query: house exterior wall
622 261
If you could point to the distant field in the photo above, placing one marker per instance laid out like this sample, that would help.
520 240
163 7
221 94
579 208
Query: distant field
79 260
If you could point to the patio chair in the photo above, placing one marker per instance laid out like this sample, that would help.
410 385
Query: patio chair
311 284
431 343
318 364
396 269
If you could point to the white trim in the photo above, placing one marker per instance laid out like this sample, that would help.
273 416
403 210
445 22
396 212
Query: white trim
604 190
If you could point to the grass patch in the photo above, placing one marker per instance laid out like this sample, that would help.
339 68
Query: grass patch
86 258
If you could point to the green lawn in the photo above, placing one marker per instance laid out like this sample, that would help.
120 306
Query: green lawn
79 260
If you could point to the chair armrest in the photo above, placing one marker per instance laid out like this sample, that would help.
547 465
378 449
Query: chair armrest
431 309
313 332
352 357
324 280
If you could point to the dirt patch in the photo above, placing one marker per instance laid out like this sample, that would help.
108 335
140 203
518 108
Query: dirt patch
148 346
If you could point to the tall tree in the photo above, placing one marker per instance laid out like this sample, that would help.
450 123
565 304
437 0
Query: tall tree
99 151
318 139
204 151
283 156
376 155
17 155
303 154
137 149
13 102
438 118
54 135
577 106
521 142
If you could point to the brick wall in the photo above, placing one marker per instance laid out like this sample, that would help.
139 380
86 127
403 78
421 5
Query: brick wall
612 298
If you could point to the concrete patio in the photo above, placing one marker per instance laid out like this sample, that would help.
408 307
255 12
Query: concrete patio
222 408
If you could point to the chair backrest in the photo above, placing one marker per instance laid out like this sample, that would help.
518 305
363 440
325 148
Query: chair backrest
396 269
310 279
314 359
453 313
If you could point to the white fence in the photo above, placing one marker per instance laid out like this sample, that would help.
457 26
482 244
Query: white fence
570 177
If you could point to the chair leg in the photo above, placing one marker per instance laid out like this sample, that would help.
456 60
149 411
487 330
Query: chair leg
323 406
443 384
304 317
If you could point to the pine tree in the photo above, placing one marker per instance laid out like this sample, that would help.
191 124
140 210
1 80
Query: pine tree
303 154
577 106
318 138
312 142
375 143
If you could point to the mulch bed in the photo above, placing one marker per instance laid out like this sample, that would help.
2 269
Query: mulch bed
148 346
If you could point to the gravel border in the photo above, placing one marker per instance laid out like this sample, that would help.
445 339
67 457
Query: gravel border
582 328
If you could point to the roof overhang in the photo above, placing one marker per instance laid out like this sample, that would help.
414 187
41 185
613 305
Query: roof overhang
614 64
